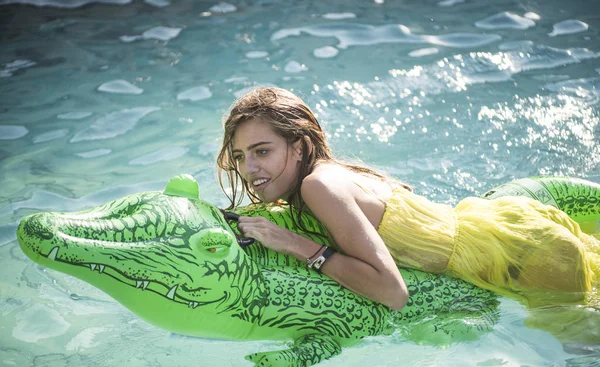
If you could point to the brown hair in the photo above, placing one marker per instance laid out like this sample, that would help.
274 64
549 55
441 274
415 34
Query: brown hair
291 119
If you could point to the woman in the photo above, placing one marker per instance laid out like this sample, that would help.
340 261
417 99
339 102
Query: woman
515 246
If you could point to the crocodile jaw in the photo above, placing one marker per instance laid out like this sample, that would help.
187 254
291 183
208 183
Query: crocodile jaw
152 256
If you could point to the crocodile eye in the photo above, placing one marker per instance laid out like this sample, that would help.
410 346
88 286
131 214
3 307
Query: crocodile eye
213 240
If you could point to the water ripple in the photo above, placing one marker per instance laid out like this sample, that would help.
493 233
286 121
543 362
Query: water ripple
568 27
354 34
458 72
11 132
120 86
505 20
113 124
70 4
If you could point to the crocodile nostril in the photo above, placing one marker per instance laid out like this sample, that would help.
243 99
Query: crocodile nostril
45 235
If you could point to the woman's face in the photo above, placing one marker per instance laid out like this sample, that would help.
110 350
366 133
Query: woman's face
265 160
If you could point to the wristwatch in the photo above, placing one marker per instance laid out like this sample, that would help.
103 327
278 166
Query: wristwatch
319 261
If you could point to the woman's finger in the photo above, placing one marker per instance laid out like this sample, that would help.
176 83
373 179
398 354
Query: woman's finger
248 222
248 229
253 220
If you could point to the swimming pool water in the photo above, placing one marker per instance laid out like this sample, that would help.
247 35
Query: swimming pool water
105 98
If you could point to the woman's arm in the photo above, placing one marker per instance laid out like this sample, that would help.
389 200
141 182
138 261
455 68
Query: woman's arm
366 268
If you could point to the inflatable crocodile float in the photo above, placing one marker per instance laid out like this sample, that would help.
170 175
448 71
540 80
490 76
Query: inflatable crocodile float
179 263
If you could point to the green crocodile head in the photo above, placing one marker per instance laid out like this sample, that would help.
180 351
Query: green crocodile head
162 255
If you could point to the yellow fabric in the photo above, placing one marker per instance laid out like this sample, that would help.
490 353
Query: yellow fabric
514 246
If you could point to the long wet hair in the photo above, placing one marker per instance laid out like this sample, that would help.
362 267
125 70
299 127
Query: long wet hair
290 118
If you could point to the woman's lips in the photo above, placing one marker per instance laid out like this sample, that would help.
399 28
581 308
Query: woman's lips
261 186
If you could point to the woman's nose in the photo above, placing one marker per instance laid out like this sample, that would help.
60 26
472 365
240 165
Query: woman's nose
252 165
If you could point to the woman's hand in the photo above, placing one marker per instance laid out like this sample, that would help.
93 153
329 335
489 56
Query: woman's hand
268 233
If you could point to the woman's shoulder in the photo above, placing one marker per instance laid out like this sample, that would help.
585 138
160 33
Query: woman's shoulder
327 182
329 174
322 169
337 179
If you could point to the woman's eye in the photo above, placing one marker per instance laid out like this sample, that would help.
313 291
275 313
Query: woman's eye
237 158
261 151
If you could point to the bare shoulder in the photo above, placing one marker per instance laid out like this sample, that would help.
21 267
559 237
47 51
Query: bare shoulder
328 196
327 179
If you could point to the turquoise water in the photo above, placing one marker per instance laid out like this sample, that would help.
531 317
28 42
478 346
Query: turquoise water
105 98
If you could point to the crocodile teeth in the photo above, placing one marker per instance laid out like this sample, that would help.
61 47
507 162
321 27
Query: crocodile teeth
142 284
138 284
193 304
145 282
53 253
93 267
171 294
101 268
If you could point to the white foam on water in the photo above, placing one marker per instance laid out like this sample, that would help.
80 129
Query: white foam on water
161 33
462 40
550 77
195 94
505 20
235 79
68 4
288 78
354 34
532 16
94 153
568 27
86 339
50 135
450 2
39 322
516 45
13 66
424 52
325 52
74 115
158 3
256 54
164 154
113 124
129 39
223 7
294 67
157 33
11 132
120 86
339 16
